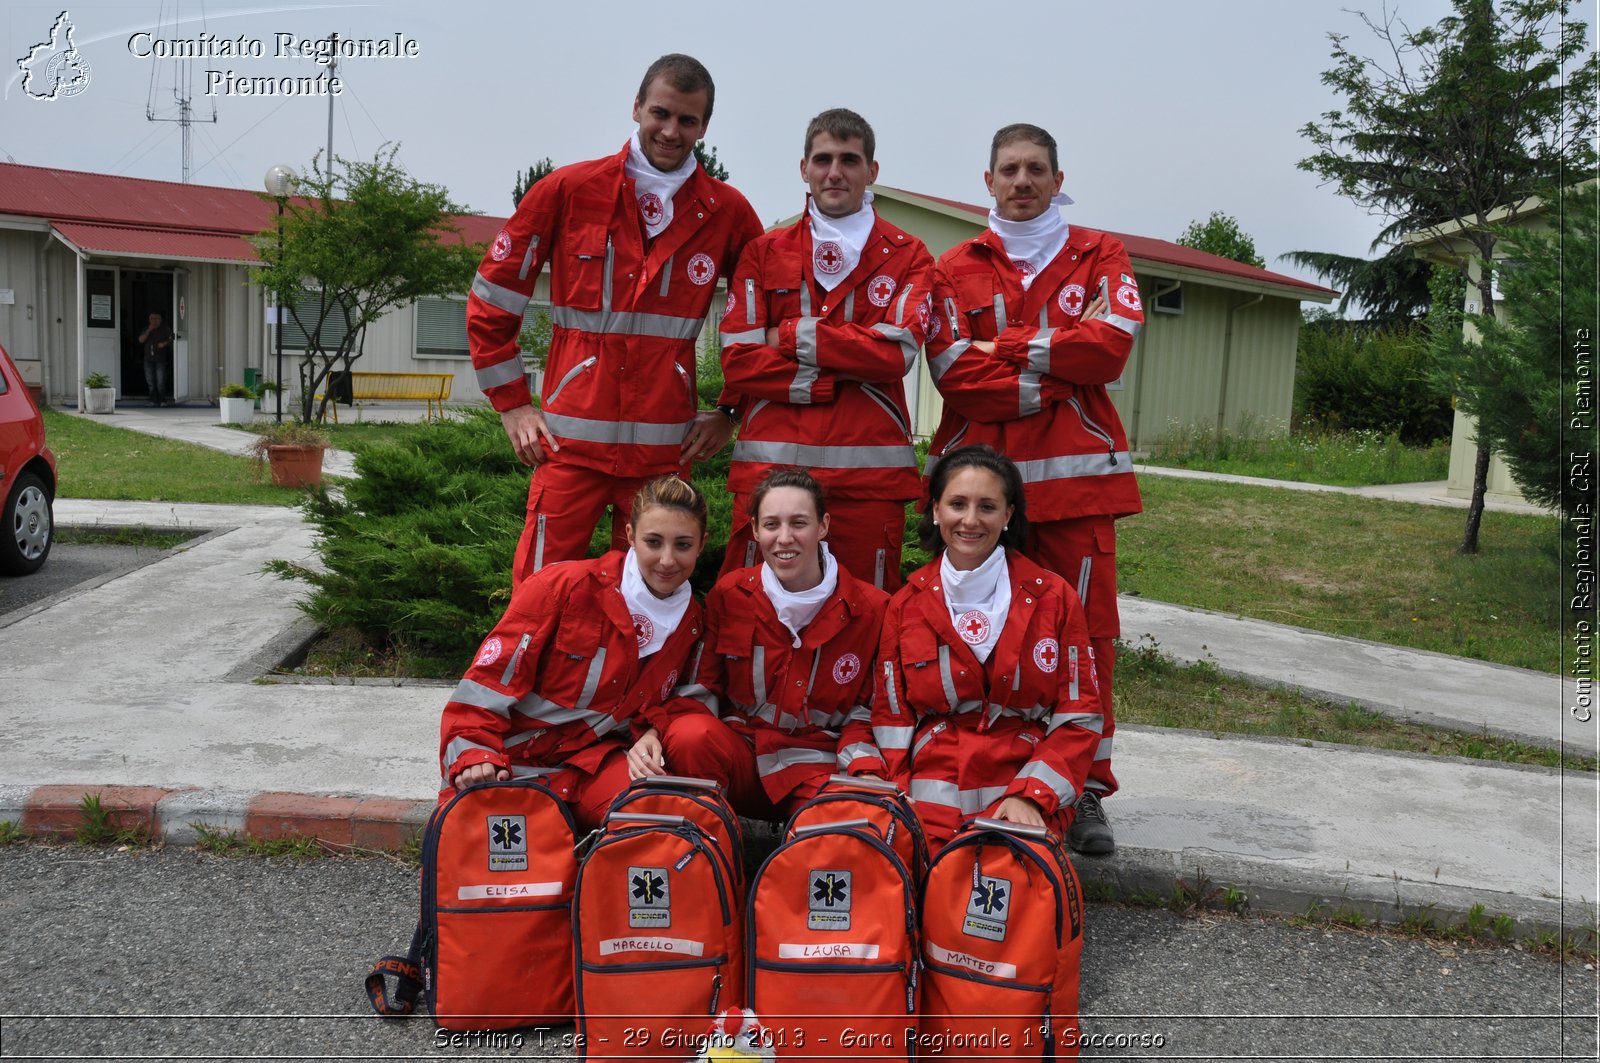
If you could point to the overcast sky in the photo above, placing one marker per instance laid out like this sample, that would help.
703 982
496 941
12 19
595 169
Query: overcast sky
1165 110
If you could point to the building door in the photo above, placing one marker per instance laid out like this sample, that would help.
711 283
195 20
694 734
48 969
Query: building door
145 292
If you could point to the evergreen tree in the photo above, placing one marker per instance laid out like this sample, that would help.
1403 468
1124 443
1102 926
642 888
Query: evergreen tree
526 179
1220 235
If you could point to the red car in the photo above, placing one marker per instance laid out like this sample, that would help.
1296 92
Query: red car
27 477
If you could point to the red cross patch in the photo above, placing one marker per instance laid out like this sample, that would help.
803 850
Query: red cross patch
650 208
1071 299
1024 267
846 668
501 246
1047 654
973 627
702 270
828 257
643 629
881 290
1128 296
489 654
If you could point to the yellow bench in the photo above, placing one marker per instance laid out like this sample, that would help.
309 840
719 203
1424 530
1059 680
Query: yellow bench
432 388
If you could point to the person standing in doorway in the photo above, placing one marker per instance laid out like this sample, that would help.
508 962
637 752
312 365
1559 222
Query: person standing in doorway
157 341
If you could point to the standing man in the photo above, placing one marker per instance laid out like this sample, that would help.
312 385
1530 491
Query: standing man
824 320
157 341
1035 319
635 243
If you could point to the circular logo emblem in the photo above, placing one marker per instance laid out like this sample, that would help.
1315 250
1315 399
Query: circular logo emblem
973 627
667 687
67 74
702 270
881 290
828 257
1128 296
489 653
1025 268
1047 654
501 246
650 208
643 629
1071 299
926 319
846 668
731 301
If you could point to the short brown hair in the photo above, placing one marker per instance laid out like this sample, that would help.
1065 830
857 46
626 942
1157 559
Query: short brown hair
841 124
1032 134
673 493
684 73
787 476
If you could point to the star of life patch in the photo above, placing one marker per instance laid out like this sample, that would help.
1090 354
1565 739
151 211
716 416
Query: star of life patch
828 899
988 907
489 652
508 843
649 898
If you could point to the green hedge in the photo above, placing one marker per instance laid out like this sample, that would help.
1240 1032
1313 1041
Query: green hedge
1351 377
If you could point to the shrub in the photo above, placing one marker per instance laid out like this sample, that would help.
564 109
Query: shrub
1348 377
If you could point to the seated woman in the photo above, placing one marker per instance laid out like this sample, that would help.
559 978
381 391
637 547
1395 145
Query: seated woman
584 648
786 666
987 655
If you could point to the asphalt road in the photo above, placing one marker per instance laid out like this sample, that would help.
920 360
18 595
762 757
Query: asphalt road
172 953
71 565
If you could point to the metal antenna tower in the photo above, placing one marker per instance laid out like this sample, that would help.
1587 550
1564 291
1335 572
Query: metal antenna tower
182 94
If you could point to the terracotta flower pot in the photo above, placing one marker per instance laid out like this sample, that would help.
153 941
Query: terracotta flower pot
295 466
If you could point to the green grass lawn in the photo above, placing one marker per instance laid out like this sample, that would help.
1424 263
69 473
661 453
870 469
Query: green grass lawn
1386 571
1347 459
100 461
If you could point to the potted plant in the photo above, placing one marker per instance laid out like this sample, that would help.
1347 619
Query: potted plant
294 451
98 394
237 404
266 401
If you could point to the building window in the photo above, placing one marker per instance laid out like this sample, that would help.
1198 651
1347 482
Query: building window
1168 296
441 327
308 310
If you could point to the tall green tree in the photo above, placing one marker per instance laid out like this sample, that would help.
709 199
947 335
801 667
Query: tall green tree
1220 235
708 160
526 179
366 237
1460 120
1509 377
1391 289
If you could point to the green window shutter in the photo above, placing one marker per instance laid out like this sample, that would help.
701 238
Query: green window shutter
441 326
306 306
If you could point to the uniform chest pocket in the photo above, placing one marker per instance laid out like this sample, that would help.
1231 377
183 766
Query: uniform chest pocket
975 297
735 646
920 664
570 673
584 259
781 287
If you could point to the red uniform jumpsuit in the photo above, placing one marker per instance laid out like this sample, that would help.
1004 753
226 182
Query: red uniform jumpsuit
967 734
764 716
554 687
829 396
619 381
1040 399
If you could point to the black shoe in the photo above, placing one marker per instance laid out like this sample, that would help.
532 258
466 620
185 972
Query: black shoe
1090 832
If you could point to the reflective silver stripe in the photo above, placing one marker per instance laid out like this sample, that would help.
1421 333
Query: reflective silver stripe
827 721
605 284
772 763
622 432
528 771
955 318
946 677
627 323
811 682
524 736
457 747
999 314
516 658
887 405
1063 468
1044 316
666 275
750 300
758 677
768 713
591 682
1103 750
499 298
550 714
940 364
1065 792
492 376
892 737
850 307
1089 721
805 297
888 690
925 739
976 800
570 373
890 457
1072 672
900 307
902 336
538 544
1039 350
1089 423
468 692
877 569
788 722
1128 325
935 792
527 259
858 751
1084 571
753 336
805 342
1030 393
692 672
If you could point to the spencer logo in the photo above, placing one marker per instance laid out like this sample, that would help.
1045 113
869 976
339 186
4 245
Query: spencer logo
54 69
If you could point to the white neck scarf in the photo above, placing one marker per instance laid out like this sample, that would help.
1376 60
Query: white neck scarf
655 188
1032 245
979 600
796 609
654 619
836 243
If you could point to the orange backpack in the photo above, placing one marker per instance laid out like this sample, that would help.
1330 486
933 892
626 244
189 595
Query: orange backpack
1002 936
659 937
494 947
832 945
881 804
701 802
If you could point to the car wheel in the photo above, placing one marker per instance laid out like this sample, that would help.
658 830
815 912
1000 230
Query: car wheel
29 526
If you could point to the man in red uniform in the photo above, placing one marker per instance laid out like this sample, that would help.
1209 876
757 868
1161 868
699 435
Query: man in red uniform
635 243
824 320
1035 319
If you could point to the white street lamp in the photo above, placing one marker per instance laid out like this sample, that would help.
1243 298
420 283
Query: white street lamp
280 182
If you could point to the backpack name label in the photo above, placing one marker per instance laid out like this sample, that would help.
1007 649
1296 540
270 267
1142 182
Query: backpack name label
508 891
682 946
950 958
834 950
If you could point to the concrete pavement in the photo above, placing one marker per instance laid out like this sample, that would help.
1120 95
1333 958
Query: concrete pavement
147 689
